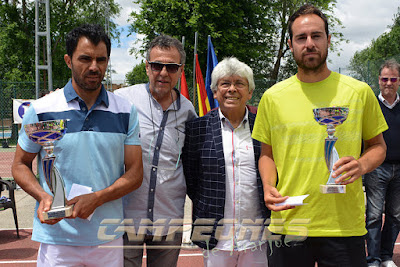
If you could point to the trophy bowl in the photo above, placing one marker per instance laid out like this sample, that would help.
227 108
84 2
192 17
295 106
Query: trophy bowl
331 116
45 133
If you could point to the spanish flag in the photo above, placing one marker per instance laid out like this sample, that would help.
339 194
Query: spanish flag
204 104
184 86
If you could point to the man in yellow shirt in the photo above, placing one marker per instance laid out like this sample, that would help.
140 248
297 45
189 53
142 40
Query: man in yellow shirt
330 229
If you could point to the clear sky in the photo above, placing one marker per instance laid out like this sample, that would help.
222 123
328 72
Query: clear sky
364 20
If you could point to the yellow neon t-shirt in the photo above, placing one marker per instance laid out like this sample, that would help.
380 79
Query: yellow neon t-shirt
285 120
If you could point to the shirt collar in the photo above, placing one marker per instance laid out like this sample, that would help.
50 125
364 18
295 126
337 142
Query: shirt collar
226 120
70 94
384 101
178 99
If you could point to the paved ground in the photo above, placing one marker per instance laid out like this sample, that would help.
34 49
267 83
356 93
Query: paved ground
21 252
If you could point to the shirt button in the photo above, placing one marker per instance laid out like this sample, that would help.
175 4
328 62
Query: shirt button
149 210
156 147
84 109
86 119
151 190
154 169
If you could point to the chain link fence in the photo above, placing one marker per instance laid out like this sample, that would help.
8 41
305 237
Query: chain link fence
369 72
8 129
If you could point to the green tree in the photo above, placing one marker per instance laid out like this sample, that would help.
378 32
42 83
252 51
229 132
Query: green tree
365 64
253 31
284 65
17 31
232 26
66 15
137 75
17 44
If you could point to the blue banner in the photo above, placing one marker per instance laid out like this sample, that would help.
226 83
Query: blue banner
212 61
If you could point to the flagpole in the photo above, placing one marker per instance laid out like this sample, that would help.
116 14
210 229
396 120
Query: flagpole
194 69
179 81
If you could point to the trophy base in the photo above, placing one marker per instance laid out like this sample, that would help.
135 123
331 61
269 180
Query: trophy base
332 188
58 213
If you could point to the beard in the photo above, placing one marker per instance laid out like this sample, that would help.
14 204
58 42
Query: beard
311 65
87 86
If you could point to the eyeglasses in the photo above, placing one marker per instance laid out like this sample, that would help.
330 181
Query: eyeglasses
171 67
237 85
392 79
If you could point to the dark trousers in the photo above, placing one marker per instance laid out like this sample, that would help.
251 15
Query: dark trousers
159 251
326 251
382 187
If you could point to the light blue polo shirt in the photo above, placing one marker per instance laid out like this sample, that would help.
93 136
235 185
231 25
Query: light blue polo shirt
91 154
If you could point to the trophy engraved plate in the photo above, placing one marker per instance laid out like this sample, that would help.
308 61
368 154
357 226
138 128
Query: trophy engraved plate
45 133
331 117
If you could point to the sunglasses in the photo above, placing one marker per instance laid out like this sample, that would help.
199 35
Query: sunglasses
171 67
386 79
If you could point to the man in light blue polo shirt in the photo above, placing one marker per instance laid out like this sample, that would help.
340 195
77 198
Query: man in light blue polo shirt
100 150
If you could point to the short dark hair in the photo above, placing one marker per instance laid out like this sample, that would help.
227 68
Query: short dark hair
390 64
164 41
94 32
307 9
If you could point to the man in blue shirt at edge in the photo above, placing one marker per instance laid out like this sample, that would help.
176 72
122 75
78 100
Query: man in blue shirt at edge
101 150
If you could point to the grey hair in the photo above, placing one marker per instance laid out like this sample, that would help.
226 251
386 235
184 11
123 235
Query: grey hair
164 41
390 64
231 66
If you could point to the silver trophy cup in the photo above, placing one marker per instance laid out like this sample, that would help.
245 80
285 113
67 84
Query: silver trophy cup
331 117
45 133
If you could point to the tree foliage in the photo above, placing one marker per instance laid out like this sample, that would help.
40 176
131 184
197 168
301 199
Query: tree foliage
137 75
17 33
253 31
365 64
207 17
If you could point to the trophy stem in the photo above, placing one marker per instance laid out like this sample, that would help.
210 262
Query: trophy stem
49 147
54 182
329 148
48 164
331 131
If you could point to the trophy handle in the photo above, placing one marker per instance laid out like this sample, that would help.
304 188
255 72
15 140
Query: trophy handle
59 200
48 163
55 182
334 158
329 148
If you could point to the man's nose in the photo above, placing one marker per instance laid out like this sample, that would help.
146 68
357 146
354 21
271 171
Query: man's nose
310 42
164 71
94 66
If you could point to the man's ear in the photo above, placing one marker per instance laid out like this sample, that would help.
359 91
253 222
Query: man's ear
67 60
289 41
329 40
147 68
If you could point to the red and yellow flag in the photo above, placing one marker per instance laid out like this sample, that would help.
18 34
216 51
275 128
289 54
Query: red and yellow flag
184 86
202 98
